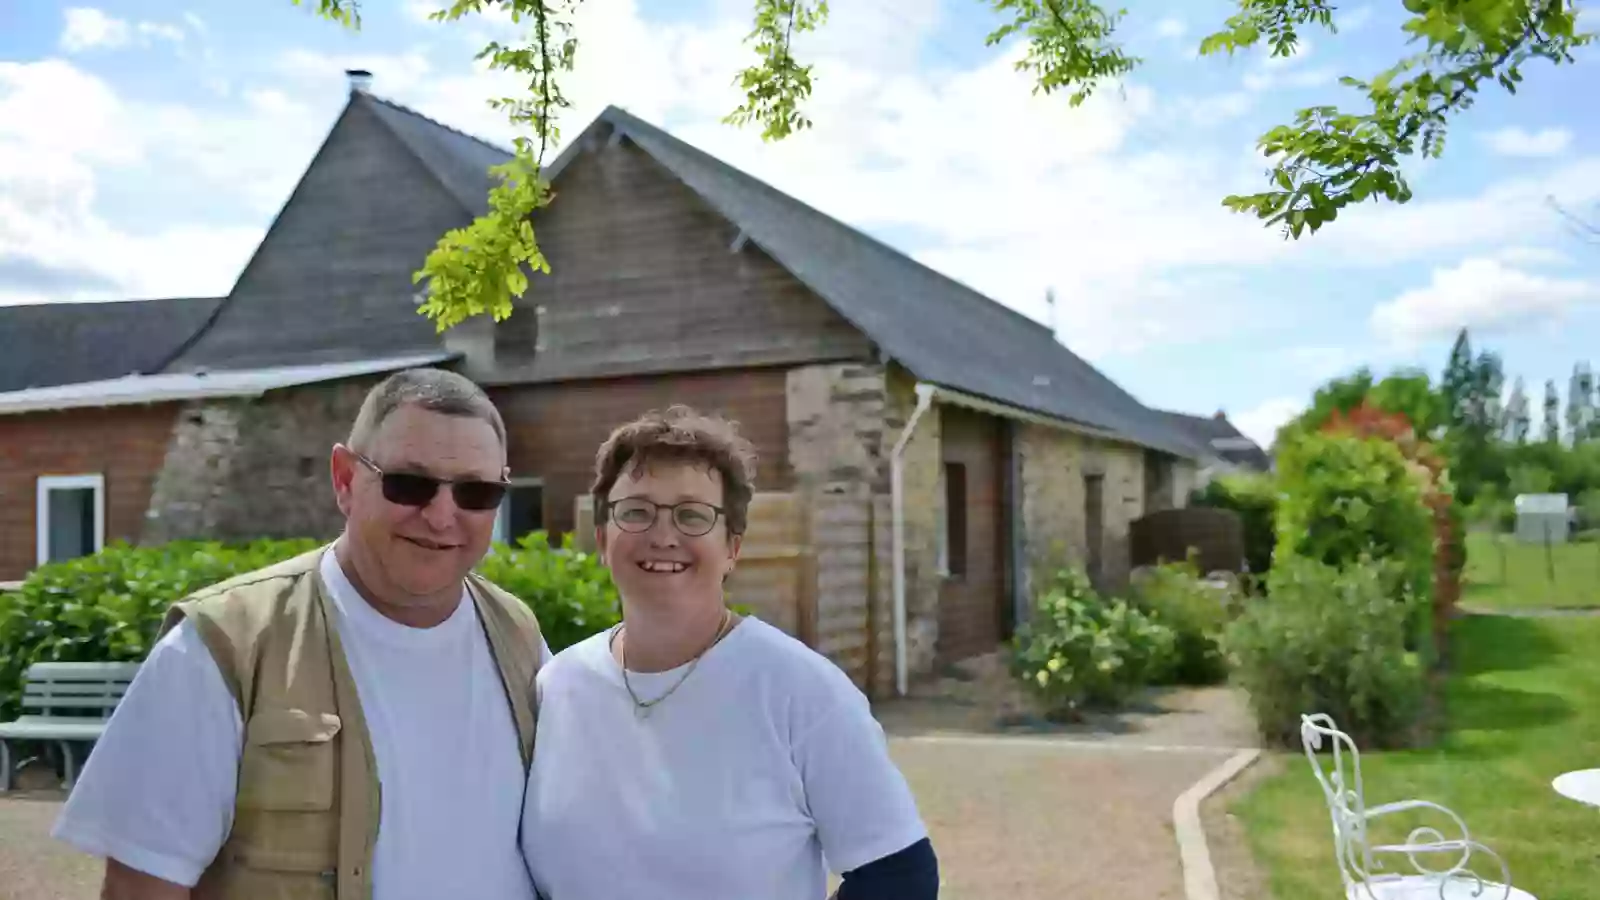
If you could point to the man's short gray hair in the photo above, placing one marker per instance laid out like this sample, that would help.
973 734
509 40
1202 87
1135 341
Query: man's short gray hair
435 390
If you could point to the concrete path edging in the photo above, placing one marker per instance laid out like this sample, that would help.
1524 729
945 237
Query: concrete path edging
1199 878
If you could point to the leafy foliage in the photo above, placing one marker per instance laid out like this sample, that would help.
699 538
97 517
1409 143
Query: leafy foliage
567 588
1328 639
1197 613
108 607
1082 650
1255 498
775 87
1324 161
1346 498
1069 44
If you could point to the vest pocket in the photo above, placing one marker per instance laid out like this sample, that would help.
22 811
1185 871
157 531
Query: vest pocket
289 761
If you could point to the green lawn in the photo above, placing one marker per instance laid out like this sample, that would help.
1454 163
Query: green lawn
1522 707
1505 574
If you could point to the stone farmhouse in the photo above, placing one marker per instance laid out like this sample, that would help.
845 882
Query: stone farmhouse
926 453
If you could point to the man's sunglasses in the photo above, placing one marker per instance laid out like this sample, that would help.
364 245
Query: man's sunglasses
407 489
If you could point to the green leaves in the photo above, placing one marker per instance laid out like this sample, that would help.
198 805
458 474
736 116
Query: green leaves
108 607
345 12
479 269
1319 164
776 85
1069 44
1328 160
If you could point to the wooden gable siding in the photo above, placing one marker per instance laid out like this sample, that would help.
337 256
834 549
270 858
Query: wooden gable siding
125 444
643 279
332 278
555 430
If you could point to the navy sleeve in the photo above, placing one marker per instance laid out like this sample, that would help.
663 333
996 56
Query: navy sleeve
910 874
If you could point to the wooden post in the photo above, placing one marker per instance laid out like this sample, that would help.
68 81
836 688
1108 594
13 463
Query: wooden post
1549 554
806 573
872 594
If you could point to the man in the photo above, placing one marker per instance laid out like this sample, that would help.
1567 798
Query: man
356 722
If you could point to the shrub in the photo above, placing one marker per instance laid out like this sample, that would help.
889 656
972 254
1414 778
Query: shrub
108 607
1196 611
1255 499
1348 498
1332 641
567 588
1081 650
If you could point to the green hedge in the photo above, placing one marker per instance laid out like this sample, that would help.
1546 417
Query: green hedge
1331 640
1346 499
1197 613
1255 498
569 590
109 606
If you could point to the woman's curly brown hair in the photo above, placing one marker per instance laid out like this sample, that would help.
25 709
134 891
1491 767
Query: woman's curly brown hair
681 435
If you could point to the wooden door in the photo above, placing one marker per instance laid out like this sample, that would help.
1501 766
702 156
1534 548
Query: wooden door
973 606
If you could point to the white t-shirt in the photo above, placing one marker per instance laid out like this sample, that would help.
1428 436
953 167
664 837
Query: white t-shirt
158 791
761 771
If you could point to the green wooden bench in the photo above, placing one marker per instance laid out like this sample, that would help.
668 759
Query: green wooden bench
64 704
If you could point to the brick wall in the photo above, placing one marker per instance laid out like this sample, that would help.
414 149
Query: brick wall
125 444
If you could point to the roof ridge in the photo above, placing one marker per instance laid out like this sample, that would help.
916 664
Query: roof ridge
402 108
971 293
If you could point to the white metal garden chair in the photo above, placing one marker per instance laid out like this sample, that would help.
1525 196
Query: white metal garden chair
1363 875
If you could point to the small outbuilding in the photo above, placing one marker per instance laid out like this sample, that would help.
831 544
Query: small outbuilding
1542 518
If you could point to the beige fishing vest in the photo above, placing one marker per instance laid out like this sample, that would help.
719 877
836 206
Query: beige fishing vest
307 810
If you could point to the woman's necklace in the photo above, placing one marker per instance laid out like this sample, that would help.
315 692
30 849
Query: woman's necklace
642 708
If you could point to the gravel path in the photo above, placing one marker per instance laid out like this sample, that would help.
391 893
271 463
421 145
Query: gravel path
32 865
1020 809
1033 820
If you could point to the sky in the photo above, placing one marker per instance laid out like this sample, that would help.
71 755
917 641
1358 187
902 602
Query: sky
146 145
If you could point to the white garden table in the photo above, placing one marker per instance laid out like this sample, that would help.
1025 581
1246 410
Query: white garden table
1582 786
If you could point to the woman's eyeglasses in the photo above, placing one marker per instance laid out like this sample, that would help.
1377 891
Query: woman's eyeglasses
407 489
636 515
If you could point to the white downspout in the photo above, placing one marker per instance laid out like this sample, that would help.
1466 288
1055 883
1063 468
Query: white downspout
897 505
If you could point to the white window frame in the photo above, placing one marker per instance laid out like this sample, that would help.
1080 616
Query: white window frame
503 514
48 483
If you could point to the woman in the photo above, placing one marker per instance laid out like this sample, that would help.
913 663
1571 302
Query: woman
691 753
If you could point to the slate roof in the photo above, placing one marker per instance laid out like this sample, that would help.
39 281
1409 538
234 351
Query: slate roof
48 344
941 330
460 161
1225 439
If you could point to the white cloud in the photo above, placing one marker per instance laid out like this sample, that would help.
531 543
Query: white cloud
1482 294
52 229
1515 141
88 28
1532 256
1261 422
1115 204
1171 27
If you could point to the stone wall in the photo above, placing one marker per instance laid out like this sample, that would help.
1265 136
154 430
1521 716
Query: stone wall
836 425
1053 463
923 511
241 469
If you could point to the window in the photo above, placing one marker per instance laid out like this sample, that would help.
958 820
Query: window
521 512
953 536
1094 507
71 516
